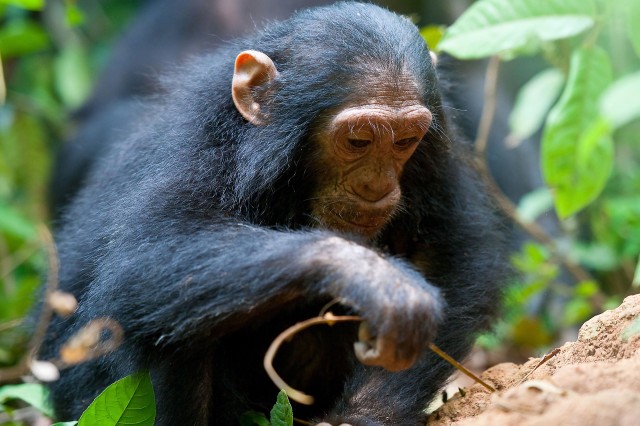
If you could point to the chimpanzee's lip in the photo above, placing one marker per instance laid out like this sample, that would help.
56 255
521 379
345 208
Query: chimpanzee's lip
371 225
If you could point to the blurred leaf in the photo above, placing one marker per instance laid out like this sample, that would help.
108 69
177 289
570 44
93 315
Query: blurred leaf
432 34
586 289
534 101
633 17
595 256
33 394
26 4
636 276
72 75
129 401
19 37
577 150
74 15
490 27
529 332
251 418
282 413
617 106
13 223
534 204
576 311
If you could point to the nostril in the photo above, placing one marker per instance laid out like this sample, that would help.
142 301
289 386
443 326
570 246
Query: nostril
374 193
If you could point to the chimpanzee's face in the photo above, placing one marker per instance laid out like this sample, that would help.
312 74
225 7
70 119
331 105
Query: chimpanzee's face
362 150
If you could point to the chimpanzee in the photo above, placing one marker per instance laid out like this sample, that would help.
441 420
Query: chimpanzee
313 162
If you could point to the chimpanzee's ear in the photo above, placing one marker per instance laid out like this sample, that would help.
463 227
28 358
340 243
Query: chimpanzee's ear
252 69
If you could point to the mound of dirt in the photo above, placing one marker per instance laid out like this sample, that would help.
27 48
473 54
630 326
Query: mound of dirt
593 381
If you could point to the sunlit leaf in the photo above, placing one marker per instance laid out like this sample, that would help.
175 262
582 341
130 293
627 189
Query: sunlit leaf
25 4
534 101
72 75
616 104
633 17
586 289
15 224
129 401
576 311
20 37
490 27
535 203
432 34
282 413
36 395
577 149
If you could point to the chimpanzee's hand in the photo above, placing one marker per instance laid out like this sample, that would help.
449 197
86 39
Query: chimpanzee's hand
401 310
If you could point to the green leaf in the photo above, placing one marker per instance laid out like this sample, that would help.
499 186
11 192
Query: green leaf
72 75
633 29
490 27
576 311
282 413
26 4
432 34
636 276
533 103
74 423
617 106
129 401
535 203
21 37
251 418
13 223
34 394
586 289
577 150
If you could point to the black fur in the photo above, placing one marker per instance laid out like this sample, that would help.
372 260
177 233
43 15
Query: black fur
193 233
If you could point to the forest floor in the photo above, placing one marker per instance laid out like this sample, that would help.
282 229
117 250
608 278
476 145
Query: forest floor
594 381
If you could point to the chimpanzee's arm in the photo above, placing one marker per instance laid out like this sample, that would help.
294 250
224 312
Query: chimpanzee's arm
169 287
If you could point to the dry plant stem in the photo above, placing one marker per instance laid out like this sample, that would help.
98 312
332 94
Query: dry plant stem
460 367
14 373
295 394
331 319
546 358
10 324
505 204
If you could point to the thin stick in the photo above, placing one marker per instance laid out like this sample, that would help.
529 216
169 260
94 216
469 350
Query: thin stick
460 367
546 358
331 319
295 394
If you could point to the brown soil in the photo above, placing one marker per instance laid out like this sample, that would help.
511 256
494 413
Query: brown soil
593 381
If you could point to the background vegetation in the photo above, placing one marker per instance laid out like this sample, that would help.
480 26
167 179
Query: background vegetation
583 108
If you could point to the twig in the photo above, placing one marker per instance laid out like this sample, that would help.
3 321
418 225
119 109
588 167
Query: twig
22 367
10 324
460 367
546 358
505 204
331 319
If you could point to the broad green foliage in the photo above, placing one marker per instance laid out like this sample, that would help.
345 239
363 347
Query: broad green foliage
492 27
577 149
27 4
35 395
534 102
129 401
618 105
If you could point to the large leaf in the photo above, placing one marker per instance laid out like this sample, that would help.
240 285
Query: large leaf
129 401
577 150
489 27
534 101
34 394
620 104
282 413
